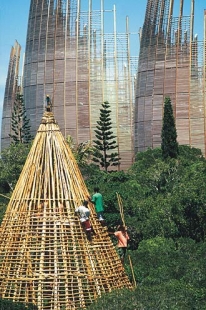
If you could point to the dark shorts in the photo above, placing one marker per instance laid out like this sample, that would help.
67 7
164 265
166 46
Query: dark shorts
87 225
122 251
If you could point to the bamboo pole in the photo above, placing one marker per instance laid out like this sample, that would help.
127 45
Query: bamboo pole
121 208
131 266
5 196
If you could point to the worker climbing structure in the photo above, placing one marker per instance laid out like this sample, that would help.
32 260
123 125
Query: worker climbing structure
45 256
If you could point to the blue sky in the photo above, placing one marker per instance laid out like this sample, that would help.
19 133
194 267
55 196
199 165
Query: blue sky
14 18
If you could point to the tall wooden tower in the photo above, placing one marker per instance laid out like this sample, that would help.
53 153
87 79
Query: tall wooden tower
171 64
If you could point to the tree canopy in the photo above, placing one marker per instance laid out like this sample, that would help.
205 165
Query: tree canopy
165 212
164 204
11 163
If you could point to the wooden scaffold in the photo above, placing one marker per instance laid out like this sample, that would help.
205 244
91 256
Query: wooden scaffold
45 256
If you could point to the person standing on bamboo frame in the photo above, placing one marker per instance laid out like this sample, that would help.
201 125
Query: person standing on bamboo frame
97 200
84 214
122 237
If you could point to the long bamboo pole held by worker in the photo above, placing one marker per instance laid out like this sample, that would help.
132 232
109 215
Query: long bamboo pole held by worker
131 266
119 199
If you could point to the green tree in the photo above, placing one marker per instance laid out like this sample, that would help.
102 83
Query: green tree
19 122
11 163
82 152
105 142
169 143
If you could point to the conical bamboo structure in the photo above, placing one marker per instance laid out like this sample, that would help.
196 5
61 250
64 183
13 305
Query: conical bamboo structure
45 256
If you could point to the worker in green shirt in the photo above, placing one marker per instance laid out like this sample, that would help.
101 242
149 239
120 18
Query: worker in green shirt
97 200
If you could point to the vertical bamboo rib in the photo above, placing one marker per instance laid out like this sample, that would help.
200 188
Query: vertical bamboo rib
133 276
120 203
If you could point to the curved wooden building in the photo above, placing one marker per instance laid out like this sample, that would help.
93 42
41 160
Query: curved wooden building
80 62
45 256
171 63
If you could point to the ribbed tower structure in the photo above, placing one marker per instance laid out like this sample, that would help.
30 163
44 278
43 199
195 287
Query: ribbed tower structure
171 63
11 88
70 56
46 258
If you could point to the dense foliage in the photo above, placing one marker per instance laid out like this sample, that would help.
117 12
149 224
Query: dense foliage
6 304
11 163
170 275
105 142
164 205
165 211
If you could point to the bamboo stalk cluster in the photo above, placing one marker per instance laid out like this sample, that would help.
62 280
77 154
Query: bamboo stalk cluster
45 256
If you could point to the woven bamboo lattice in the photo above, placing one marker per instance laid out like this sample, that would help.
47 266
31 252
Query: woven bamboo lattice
45 256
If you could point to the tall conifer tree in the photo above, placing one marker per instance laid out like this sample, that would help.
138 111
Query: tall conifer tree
19 122
105 142
169 143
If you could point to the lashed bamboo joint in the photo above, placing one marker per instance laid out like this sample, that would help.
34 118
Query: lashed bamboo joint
45 256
